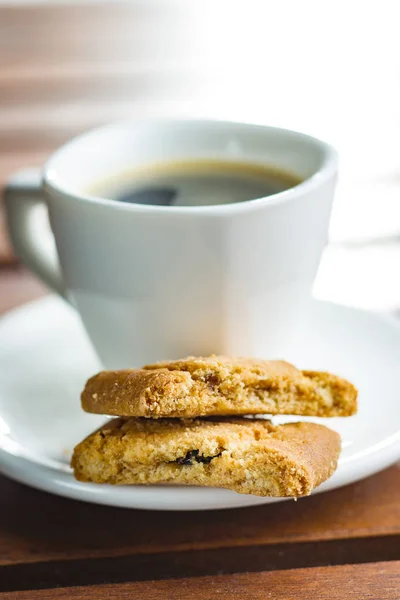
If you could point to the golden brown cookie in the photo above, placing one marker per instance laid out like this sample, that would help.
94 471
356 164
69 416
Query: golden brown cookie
218 385
249 456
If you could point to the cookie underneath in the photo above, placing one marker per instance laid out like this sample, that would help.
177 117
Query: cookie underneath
249 456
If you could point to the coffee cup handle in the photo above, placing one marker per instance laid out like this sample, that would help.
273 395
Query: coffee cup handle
24 199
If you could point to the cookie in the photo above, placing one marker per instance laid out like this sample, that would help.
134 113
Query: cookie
218 385
249 456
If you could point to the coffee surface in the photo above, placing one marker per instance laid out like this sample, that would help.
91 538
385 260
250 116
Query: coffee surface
194 183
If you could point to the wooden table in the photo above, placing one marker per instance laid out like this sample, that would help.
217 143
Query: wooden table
61 70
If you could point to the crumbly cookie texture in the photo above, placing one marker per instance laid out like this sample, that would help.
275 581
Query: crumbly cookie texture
249 456
218 385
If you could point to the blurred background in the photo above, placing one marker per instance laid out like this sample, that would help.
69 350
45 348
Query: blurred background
330 69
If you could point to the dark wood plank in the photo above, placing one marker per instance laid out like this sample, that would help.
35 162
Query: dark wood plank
55 528
375 581
196 563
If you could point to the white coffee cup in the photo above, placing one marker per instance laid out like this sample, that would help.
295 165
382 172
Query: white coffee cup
160 282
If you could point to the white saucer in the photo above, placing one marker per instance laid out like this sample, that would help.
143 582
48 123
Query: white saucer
45 358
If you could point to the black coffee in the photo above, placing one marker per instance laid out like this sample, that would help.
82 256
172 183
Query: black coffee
190 183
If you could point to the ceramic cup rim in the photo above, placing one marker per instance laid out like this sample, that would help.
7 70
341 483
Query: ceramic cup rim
52 183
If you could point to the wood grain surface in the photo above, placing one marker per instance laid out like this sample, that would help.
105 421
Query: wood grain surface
375 581
64 69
